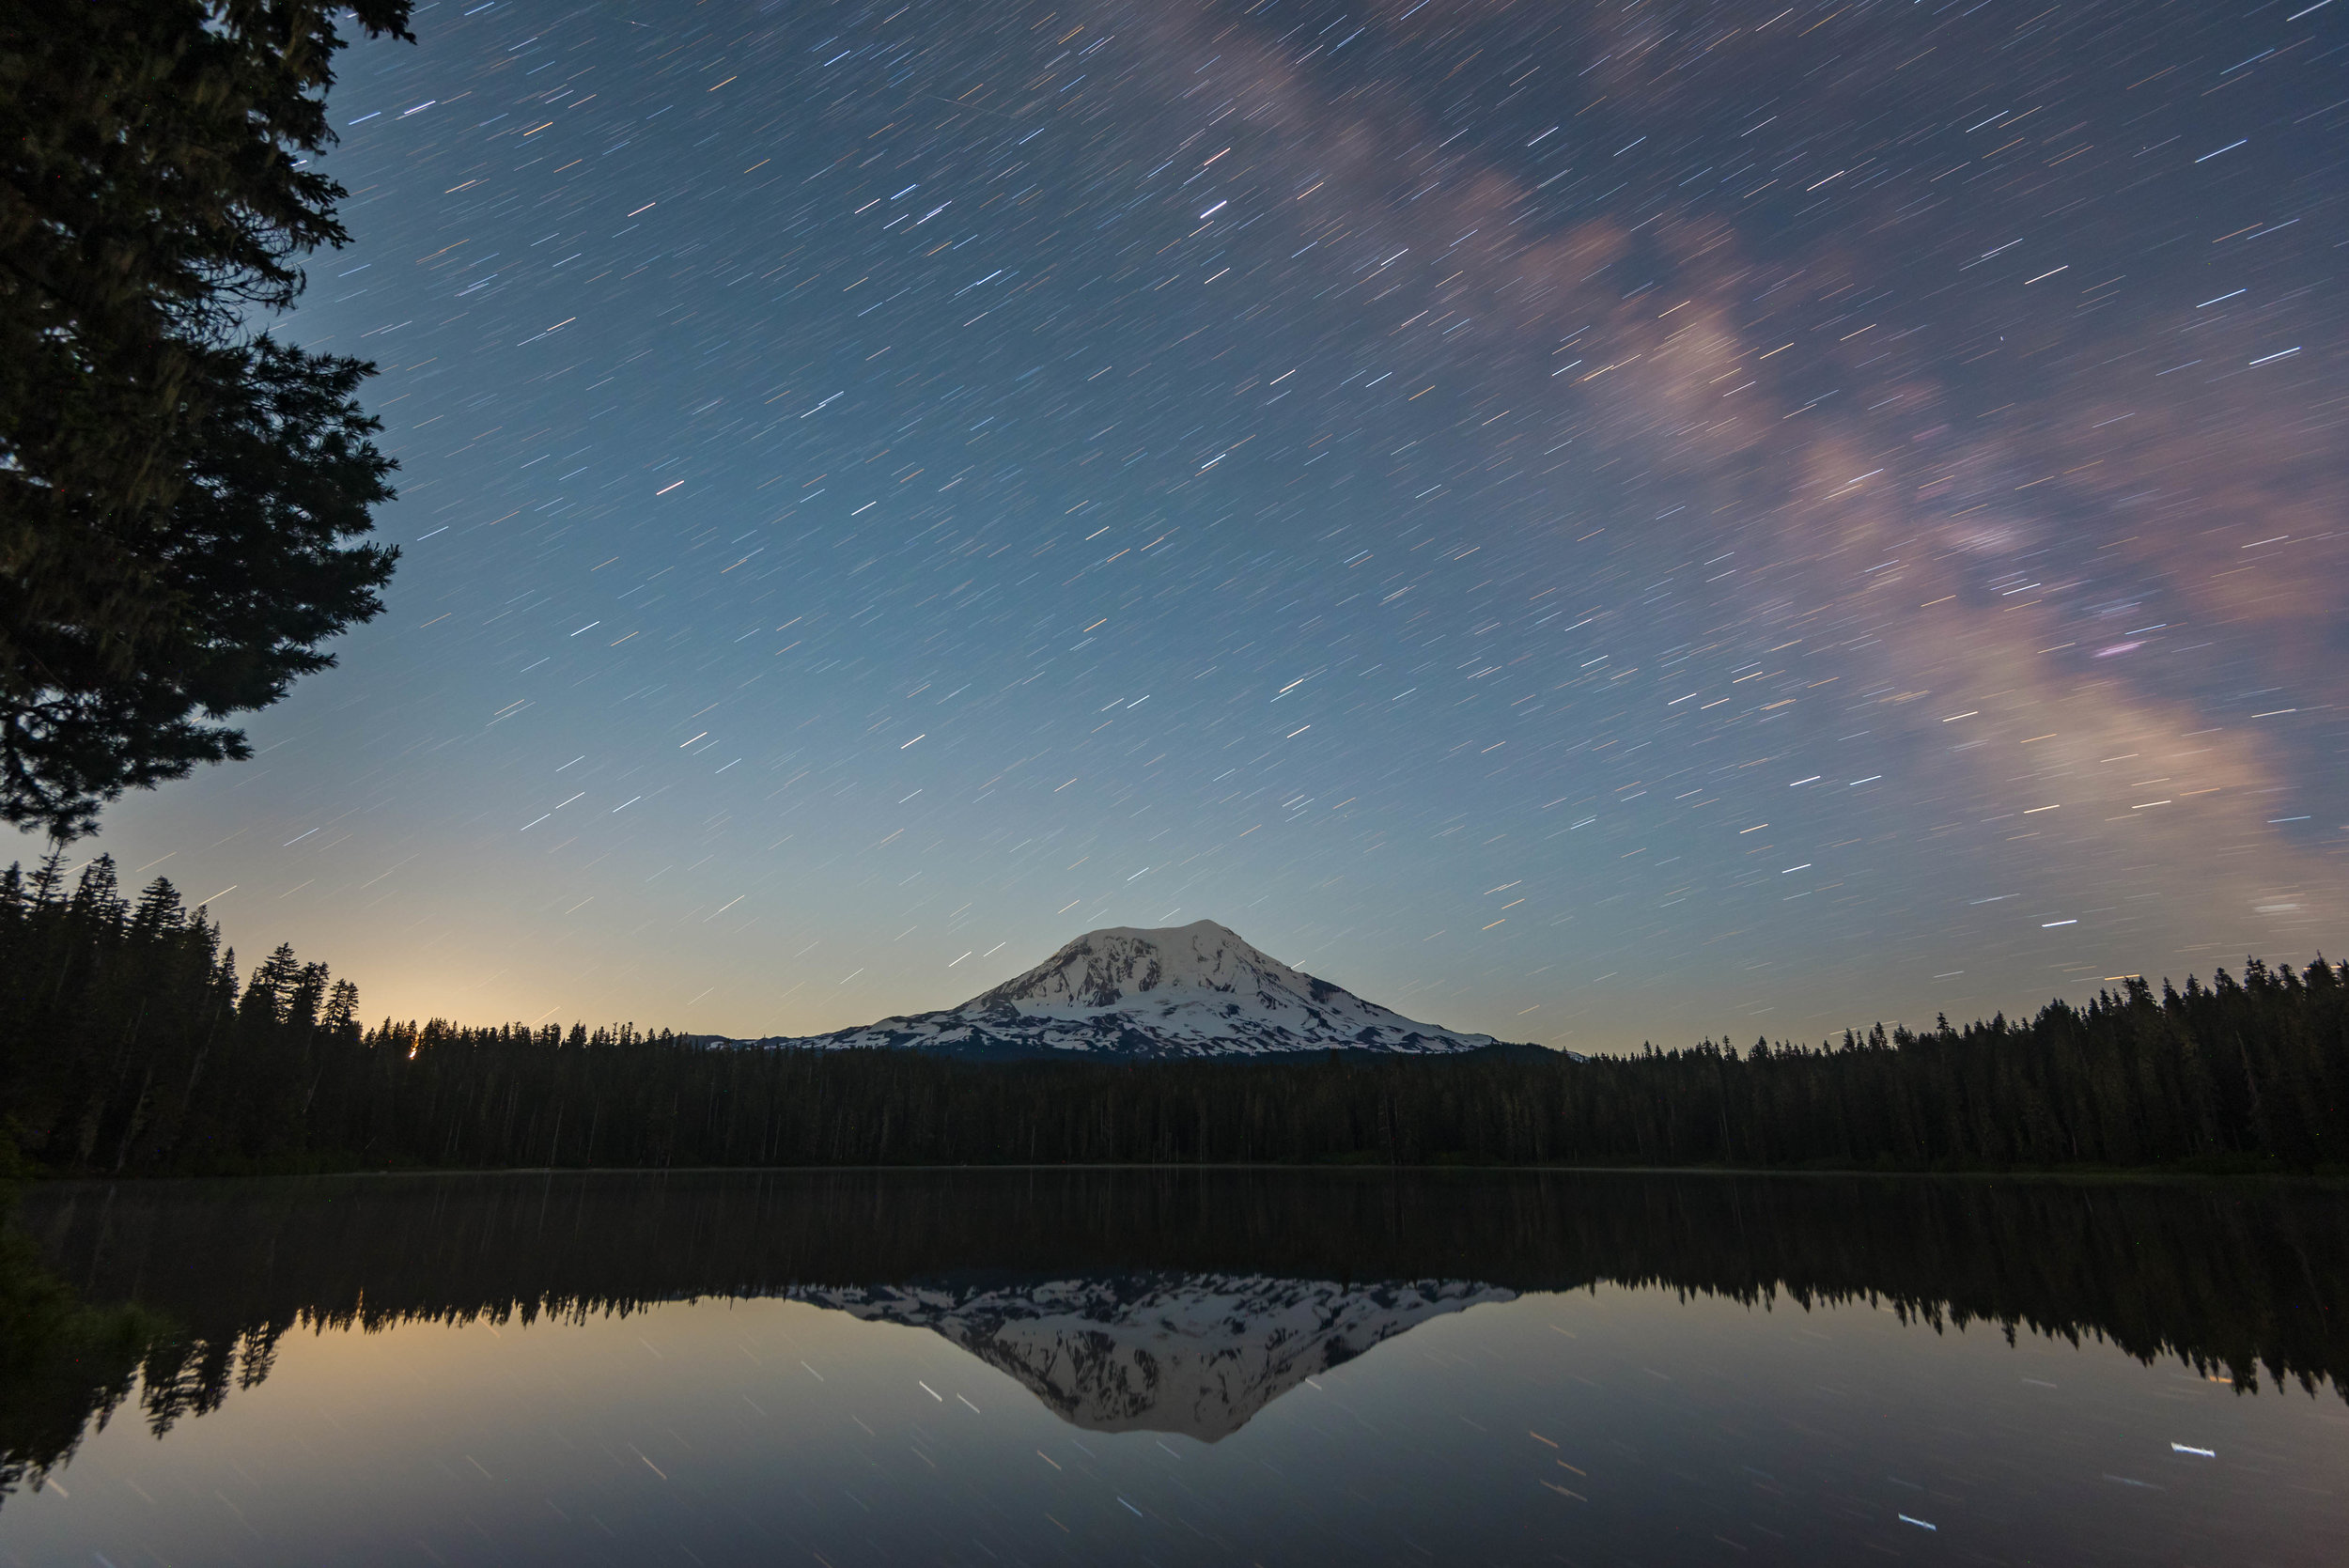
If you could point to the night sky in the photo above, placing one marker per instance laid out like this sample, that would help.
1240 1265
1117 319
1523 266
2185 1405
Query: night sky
1589 522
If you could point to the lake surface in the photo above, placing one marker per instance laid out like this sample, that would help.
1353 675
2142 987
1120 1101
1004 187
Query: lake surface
1163 1367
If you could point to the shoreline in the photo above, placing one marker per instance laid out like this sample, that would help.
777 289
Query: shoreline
2129 1175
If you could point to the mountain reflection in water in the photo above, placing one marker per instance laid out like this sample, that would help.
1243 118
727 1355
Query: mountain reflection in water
1172 1301
1197 1354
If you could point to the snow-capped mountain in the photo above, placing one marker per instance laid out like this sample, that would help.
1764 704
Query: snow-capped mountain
1197 1354
1181 991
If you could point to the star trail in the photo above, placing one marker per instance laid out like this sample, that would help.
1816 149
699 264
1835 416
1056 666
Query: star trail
1588 523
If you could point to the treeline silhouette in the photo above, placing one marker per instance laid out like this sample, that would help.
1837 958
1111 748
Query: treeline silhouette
2230 1280
130 1046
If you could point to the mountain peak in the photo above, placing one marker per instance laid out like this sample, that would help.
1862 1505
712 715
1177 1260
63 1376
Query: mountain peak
1125 992
1116 964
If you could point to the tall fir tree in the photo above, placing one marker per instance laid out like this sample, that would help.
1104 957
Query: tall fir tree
178 494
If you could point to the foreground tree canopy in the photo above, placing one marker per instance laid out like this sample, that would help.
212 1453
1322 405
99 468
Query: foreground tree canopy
179 493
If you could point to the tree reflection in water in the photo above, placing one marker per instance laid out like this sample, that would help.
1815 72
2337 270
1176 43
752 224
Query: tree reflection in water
1157 1299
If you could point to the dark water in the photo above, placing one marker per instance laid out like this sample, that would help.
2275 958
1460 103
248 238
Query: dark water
1160 1367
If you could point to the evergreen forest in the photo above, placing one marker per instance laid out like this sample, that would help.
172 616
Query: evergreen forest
131 1043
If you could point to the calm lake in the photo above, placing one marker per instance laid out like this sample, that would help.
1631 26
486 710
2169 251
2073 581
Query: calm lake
1166 1367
